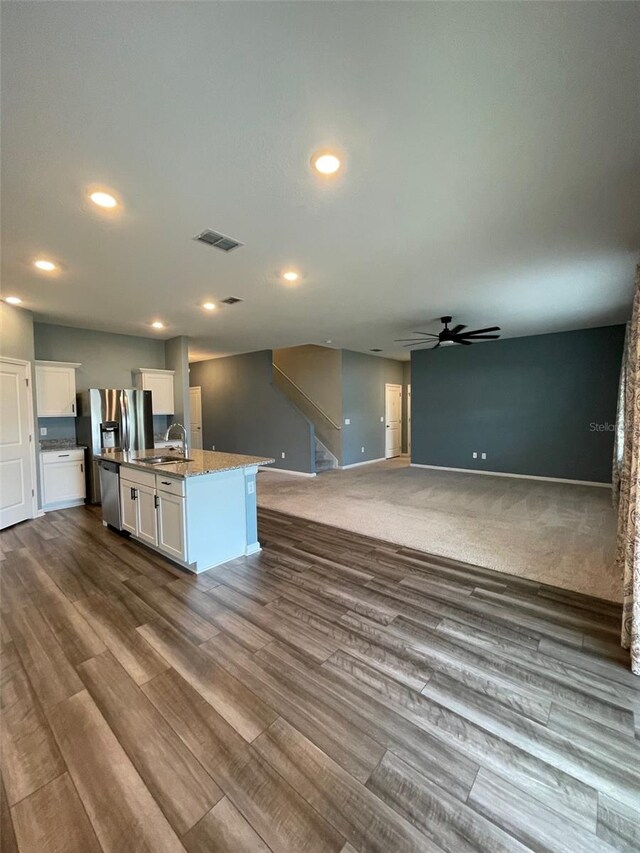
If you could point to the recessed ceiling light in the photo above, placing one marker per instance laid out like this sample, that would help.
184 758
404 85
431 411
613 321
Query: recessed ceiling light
291 276
13 300
209 306
42 264
158 325
103 199
326 164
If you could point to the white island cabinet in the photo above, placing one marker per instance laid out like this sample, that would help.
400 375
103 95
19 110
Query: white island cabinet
199 513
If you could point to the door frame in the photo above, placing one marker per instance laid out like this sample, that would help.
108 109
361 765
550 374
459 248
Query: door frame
386 419
409 418
32 432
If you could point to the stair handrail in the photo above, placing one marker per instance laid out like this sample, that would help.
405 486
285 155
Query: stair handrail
307 397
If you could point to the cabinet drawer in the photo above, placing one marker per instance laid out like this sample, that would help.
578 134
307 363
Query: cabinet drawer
49 457
170 485
139 478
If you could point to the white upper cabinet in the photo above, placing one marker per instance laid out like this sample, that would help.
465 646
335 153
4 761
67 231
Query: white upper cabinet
56 389
160 383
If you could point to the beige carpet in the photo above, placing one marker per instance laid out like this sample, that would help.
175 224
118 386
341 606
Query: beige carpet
555 533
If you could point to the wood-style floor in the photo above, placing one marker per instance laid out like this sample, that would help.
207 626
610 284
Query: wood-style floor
332 693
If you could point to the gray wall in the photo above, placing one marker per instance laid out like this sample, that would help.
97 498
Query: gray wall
107 362
318 372
107 359
532 404
363 381
406 381
177 359
16 333
242 412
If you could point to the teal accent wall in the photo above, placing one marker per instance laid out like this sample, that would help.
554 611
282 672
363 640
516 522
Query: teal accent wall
543 405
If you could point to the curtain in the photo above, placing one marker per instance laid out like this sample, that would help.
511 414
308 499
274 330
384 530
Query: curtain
626 488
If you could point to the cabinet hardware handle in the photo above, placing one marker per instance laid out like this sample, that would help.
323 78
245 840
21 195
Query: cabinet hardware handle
73 408
156 501
165 482
60 455
81 468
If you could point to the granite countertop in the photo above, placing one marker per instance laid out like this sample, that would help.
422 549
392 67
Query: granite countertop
201 461
48 445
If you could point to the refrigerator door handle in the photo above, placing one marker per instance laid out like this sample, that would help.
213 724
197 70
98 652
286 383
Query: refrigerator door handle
126 439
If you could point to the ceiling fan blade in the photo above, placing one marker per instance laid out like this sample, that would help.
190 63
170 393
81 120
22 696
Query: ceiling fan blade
457 329
471 338
465 343
481 331
408 340
428 334
419 344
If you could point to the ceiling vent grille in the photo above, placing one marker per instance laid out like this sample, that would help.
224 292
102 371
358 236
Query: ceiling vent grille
231 300
220 241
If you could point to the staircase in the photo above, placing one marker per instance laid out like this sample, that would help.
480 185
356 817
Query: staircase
325 460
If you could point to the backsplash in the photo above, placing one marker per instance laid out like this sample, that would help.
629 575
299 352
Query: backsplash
65 428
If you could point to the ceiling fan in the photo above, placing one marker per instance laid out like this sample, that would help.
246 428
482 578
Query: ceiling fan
457 335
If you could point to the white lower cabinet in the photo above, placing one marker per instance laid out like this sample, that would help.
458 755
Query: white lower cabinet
153 515
63 478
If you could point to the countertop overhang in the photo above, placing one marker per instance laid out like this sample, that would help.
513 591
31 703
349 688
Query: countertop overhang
202 461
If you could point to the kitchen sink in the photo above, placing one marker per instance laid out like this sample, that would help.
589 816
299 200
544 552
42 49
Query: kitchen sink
165 460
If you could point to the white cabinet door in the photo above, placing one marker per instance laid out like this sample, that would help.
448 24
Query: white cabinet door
128 507
161 387
63 481
147 515
171 525
56 391
16 486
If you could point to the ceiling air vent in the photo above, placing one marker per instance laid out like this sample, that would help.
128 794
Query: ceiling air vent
220 241
231 300
375 350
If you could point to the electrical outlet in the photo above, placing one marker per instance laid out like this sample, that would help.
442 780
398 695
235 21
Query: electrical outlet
475 454
484 455
283 454
362 450
251 487
347 421
213 447
43 430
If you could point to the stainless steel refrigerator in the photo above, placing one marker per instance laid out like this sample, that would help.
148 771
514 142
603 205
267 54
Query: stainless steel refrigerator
114 419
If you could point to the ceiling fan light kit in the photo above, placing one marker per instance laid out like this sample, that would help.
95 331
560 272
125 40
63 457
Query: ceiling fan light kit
448 336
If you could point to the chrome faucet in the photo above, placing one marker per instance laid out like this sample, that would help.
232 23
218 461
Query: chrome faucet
185 444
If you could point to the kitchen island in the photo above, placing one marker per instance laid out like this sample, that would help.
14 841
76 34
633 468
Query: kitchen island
199 512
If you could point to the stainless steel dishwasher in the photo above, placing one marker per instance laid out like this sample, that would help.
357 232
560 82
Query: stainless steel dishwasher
110 491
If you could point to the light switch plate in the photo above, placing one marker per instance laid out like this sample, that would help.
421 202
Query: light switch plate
484 455
283 454
474 454
43 430
382 420
347 421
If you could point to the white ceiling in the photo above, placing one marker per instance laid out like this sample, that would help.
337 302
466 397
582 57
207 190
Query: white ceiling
492 166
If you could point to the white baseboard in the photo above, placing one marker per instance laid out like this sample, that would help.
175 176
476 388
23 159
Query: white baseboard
252 549
517 476
358 464
285 471
63 505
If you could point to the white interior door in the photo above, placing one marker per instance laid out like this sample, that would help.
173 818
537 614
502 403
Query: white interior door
195 405
393 420
17 486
